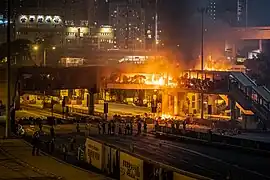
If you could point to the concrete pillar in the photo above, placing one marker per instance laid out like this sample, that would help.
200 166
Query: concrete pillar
260 45
211 103
176 105
165 102
90 102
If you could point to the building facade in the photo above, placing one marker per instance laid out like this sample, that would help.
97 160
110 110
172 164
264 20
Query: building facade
128 21
98 12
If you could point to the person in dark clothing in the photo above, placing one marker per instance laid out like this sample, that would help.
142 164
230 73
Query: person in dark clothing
65 152
52 132
99 128
120 129
109 128
113 127
78 128
184 124
145 127
103 128
131 128
139 127
72 142
40 126
36 143
52 146
128 128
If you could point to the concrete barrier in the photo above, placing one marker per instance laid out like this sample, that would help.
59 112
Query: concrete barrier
124 159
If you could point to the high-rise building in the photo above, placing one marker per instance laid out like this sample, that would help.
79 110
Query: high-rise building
127 18
152 25
242 12
98 12
212 9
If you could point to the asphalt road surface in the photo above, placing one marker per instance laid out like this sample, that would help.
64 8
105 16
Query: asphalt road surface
203 160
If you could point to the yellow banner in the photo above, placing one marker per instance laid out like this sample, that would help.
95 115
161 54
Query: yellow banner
93 152
177 176
131 168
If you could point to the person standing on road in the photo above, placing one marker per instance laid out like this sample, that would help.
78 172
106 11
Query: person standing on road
184 124
103 128
72 142
145 127
78 127
131 128
99 127
120 128
139 127
36 143
40 125
52 145
109 127
64 149
52 133
113 127
128 128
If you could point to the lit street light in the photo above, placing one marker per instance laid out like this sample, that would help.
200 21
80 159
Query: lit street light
36 48
45 54
8 108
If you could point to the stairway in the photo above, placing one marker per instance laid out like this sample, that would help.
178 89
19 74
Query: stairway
249 95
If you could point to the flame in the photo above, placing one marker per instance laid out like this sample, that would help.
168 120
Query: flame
166 116
211 64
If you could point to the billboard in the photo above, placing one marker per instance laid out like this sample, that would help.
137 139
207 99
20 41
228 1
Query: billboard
177 176
93 152
40 19
131 168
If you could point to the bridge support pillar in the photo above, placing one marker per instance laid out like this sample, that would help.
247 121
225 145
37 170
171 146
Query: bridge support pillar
91 103
260 45
165 102
233 111
175 105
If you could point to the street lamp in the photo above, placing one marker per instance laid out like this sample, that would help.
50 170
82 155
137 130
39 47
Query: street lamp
45 54
202 11
35 47
8 123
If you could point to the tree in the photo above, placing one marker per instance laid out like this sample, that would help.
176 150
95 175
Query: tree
20 52
258 69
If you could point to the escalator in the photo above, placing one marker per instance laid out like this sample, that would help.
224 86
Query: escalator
249 95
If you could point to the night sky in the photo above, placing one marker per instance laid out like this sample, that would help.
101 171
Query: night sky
259 12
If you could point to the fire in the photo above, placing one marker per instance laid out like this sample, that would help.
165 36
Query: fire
166 116
211 64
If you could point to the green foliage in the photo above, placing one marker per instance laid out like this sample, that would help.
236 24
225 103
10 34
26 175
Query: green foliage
20 50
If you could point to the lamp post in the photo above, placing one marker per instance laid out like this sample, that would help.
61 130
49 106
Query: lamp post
8 124
45 54
36 48
202 11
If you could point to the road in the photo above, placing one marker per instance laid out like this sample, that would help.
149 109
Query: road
116 108
207 161
203 160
